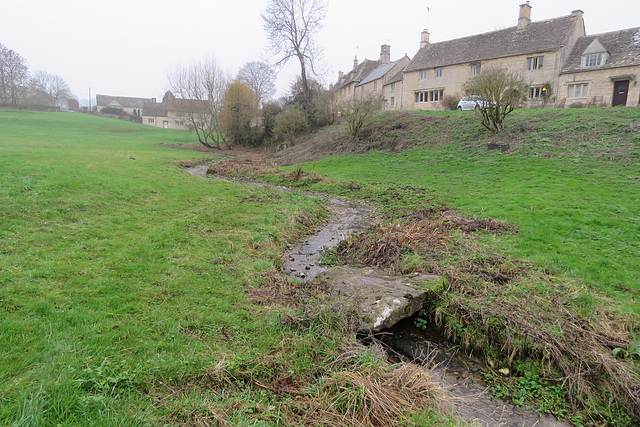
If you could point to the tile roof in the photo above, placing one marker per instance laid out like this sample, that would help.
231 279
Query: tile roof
397 77
356 75
378 73
537 37
123 101
623 47
155 109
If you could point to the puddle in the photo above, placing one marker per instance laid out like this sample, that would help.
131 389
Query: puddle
461 376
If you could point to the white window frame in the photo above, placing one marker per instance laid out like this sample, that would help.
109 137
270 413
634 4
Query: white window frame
438 72
423 74
476 69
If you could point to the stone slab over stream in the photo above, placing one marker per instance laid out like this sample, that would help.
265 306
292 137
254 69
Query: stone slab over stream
380 300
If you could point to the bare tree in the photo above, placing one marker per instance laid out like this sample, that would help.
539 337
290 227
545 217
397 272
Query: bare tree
14 76
500 90
198 93
261 79
356 111
291 27
54 87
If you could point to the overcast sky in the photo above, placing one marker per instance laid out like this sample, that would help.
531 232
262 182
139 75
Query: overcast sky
127 47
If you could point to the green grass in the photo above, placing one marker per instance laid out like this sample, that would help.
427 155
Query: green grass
124 279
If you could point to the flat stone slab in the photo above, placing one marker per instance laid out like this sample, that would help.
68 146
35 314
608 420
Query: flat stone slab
381 300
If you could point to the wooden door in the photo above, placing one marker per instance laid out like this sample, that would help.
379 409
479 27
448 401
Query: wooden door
620 92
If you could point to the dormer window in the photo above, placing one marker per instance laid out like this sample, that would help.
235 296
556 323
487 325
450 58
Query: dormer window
594 56
593 60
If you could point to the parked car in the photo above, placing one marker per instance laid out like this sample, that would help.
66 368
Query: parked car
472 102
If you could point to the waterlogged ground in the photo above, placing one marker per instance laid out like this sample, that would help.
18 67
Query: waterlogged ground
460 376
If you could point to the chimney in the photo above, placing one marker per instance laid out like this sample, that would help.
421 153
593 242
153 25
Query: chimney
355 62
153 100
424 39
525 16
577 14
340 75
385 54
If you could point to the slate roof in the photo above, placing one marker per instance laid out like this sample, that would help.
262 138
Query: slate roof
537 37
361 71
623 47
123 101
155 109
378 73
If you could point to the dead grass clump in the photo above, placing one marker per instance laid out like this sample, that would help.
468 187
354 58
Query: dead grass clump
301 175
379 398
548 329
242 166
276 290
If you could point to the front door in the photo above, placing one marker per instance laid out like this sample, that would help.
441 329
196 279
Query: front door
620 91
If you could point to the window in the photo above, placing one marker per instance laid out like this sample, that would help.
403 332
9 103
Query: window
535 62
475 69
423 74
430 95
151 120
439 72
593 60
578 90
393 101
393 87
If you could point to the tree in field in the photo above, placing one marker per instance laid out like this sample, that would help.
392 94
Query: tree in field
291 27
54 88
239 111
14 76
356 110
501 90
261 80
197 98
290 124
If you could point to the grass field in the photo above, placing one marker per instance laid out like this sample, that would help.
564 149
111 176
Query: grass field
132 293
124 280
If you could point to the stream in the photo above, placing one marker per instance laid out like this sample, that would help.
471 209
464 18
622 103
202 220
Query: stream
461 376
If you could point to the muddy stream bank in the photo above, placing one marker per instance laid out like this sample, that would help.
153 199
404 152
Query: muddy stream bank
461 376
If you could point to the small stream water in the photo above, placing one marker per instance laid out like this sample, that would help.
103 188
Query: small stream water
461 376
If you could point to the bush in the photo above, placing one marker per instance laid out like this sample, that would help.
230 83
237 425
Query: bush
450 102
291 123
355 111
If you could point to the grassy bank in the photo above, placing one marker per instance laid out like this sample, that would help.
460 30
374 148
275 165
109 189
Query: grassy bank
132 293
559 297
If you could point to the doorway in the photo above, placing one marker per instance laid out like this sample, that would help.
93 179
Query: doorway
620 92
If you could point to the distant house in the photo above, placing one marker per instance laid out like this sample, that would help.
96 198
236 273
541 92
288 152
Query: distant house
392 92
174 113
128 104
368 77
602 69
155 114
537 50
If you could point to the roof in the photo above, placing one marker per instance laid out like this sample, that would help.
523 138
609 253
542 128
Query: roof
397 77
378 73
123 101
537 37
155 109
359 72
622 46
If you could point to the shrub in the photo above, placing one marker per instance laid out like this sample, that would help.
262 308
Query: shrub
291 123
355 111
450 102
